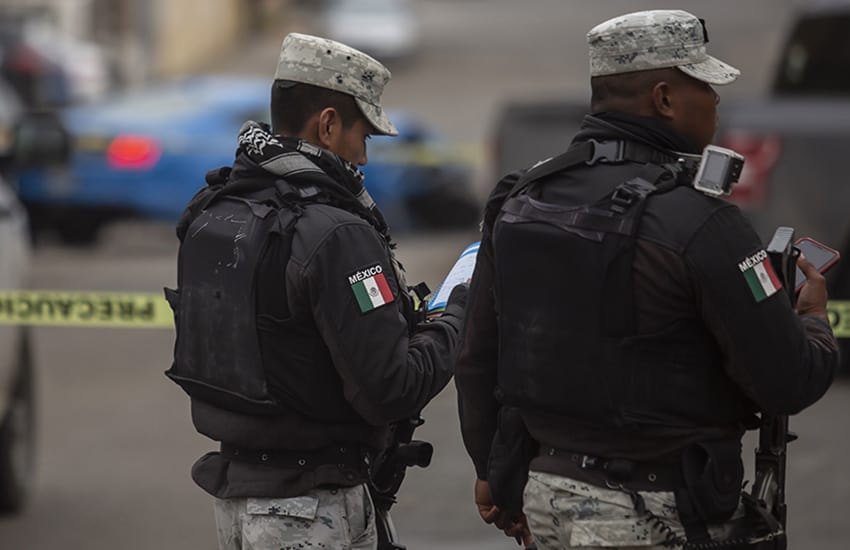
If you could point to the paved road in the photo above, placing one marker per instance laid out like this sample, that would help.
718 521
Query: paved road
116 442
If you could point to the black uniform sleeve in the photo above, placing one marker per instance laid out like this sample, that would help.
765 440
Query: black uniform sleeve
387 375
783 362
475 369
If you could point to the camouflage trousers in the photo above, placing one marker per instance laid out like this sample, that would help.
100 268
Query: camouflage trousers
565 513
338 519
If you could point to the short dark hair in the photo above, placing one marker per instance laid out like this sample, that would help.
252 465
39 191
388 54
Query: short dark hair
293 103
617 88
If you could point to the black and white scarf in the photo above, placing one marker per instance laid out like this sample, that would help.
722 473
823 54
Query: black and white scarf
300 162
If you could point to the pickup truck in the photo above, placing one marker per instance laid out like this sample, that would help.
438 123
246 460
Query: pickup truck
796 141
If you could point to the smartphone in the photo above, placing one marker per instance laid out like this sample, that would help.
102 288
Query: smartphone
822 256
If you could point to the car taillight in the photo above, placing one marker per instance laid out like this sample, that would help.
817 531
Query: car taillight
129 152
761 153
25 60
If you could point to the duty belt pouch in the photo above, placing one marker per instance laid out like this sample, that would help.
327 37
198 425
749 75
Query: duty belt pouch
714 473
510 456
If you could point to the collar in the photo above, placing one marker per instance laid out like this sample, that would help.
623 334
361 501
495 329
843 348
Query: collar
650 131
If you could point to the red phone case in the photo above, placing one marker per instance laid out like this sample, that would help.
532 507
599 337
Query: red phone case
813 256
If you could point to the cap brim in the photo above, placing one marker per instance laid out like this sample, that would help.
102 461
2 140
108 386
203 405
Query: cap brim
377 117
712 71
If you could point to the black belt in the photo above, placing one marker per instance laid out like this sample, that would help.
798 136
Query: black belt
345 458
617 472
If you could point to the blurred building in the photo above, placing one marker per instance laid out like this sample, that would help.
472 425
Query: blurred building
143 39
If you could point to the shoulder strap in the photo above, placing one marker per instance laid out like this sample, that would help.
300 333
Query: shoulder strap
288 193
604 216
589 153
220 183
638 188
216 180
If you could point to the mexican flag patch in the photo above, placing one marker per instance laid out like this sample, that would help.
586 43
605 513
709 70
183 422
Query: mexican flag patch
760 275
370 288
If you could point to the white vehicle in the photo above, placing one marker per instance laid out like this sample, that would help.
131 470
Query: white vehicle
385 29
17 432
16 378
25 140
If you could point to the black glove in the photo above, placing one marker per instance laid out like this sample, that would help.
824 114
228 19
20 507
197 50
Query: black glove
456 304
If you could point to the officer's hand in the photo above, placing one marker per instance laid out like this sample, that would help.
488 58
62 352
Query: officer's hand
456 304
813 296
459 295
491 513
488 511
519 531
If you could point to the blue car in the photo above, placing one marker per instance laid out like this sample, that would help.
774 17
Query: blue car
144 154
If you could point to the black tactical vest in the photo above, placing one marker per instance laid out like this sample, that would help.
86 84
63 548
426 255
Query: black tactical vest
217 356
568 341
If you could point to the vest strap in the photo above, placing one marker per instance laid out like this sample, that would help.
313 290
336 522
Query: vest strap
591 152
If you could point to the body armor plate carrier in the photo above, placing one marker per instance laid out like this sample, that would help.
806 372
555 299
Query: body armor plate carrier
218 265
568 341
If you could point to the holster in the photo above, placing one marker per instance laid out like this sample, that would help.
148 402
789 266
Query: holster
714 472
510 456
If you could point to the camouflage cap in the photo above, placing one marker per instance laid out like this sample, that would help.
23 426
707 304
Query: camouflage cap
333 65
656 39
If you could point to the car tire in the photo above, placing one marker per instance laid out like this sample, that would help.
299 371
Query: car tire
446 207
17 436
76 232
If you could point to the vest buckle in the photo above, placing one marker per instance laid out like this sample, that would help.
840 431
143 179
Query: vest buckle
608 151
622 199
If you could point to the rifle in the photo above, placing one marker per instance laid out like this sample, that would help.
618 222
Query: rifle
387 474
771 455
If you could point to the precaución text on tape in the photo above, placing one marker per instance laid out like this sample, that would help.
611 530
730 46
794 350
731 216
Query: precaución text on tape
85 309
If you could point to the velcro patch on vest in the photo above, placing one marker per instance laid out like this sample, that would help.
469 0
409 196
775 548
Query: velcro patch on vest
760 276
370 288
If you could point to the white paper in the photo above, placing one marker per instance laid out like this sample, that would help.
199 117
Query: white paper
460 273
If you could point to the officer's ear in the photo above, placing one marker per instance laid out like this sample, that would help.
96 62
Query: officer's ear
329 130
662 99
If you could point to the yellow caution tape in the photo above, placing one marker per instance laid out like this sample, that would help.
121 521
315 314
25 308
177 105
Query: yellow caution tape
839 317
150 310
85 309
